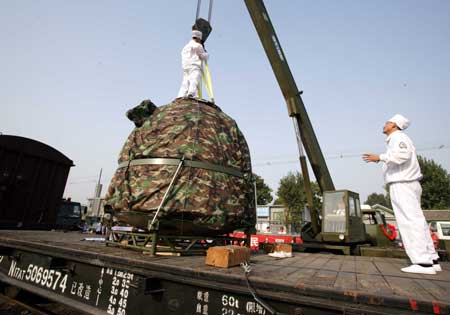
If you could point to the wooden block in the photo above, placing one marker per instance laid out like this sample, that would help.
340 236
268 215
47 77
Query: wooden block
268 248
287 248
227 256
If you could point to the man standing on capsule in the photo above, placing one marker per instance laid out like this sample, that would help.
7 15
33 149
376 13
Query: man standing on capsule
192 56
402 174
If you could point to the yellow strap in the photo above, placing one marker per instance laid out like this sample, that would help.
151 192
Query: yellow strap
208 82
206 75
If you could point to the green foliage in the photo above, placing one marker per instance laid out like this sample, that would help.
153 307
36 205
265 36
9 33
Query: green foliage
263 191
291 194
435 185
277 202
380 199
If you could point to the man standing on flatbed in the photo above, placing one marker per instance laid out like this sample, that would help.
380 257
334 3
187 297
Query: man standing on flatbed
402 173
192 56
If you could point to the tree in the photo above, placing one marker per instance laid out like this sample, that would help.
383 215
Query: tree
435 185
263 191
291 194
380 199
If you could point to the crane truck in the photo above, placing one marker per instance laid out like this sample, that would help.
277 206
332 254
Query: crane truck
338 226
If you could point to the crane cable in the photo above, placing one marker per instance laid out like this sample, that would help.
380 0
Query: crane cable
199 4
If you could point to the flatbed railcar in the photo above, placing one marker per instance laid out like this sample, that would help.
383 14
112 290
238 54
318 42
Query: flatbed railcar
98 279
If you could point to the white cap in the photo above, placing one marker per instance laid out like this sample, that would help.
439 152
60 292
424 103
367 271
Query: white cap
401 121
197 34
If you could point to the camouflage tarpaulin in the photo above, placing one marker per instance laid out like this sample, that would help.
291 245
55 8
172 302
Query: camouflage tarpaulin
201 201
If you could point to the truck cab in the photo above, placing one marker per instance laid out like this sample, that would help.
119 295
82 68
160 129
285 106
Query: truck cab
441 229
341 217
69 215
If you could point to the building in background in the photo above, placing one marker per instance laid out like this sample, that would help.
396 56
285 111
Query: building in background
94 212
271 219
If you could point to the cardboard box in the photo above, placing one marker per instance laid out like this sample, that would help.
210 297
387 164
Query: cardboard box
227 256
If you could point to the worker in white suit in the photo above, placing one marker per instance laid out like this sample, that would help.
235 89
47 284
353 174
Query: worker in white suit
192 56
402 174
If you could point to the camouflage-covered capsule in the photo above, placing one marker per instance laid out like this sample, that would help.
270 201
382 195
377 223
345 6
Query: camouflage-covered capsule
213 192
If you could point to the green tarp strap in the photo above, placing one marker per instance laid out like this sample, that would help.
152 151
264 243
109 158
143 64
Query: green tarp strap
168 161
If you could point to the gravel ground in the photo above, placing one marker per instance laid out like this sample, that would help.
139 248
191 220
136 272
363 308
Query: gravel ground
9 308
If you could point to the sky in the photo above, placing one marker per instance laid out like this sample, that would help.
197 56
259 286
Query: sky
69 70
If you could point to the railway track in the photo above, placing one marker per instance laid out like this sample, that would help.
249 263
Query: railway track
33 305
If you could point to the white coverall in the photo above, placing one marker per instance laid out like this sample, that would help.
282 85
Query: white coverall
192 56
402 172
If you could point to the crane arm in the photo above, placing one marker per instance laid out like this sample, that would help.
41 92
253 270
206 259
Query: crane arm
296 108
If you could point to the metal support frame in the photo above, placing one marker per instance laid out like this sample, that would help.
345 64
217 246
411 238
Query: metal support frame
155 244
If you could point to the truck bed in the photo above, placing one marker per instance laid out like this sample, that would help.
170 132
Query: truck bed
94 279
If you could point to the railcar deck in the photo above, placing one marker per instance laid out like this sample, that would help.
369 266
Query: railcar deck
106 280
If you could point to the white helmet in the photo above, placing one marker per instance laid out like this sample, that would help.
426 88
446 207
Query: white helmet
401 121
196 34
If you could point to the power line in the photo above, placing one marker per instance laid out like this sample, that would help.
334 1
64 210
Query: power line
81 182
83 177
93 179
345 156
